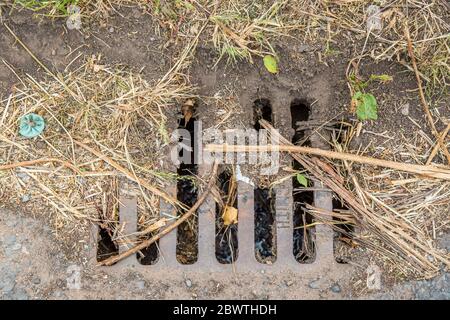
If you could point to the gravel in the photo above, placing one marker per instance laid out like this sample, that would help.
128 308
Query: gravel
314 284
336 288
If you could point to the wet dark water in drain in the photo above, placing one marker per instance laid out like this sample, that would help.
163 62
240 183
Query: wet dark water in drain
226 236
106 247
344 233
264 224
187 193
304 247
150 254
264 198
262 109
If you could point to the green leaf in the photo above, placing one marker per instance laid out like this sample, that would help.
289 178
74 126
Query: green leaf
302 180
271 64
31 125
366 106
381 77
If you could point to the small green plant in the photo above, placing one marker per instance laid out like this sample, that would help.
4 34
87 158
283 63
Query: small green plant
366 106
364 103
302 179
270 62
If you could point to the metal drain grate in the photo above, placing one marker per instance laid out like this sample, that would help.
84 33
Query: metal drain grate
246 260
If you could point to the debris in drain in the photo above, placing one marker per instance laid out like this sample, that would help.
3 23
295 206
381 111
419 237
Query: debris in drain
304 247
264 202
187 192
109 222
264 199
343 232
262 109
226 235
149 255
106 246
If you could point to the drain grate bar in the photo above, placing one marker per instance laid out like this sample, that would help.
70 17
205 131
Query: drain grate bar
246 258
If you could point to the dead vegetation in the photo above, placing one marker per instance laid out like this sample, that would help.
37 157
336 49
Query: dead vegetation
98 120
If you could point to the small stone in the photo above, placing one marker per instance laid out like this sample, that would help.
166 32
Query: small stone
53 52
25 198
111 30
7 281
140 285
36 280
23 176
20 294
314 284
336 288
188 283
405 109
304 48
289 283
11 223
9 240
16 247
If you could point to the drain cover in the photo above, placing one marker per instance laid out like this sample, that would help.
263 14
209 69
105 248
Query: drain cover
283 232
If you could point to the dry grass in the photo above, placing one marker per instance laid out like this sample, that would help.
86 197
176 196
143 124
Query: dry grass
108 108
345 21
245 29
417 206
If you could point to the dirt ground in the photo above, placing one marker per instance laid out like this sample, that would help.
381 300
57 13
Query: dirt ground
35 259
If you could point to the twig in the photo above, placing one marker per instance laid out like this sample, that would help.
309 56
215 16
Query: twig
411 249
129 174
422 96
168 229
438 144
429 171
33 162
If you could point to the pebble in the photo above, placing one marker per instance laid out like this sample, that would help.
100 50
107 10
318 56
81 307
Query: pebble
11 223
23 176
9 240
36 280
140 285
405 109
25 198
188 283
314 284
7 281
16 247
336 288
289 283
304 48
53 52
20 294
111 30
